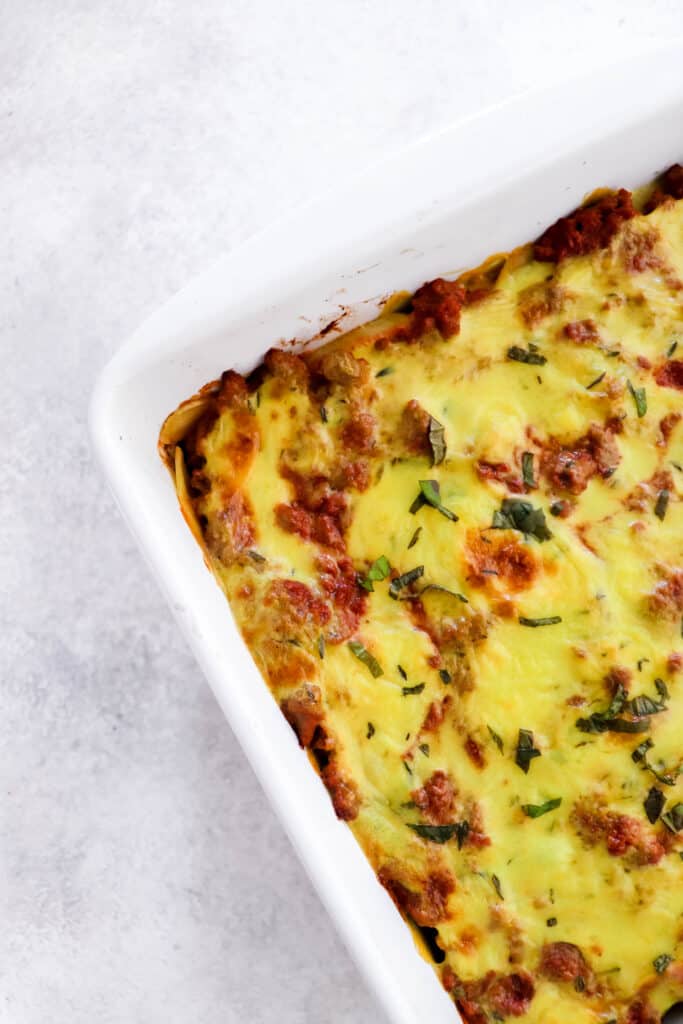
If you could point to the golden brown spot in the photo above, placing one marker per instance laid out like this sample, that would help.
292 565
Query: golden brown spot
499 559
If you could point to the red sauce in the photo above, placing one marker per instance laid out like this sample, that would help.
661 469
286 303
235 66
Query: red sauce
670 374
586 229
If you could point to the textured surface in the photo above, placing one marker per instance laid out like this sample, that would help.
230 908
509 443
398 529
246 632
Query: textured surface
142 876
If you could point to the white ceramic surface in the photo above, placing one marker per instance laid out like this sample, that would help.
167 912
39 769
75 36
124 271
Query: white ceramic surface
487 183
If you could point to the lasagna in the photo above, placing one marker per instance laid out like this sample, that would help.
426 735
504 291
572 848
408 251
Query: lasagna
452 539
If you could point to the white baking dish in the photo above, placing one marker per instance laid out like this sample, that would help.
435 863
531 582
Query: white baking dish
486 184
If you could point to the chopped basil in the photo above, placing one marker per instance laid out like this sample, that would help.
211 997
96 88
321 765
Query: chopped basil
661 962
424 747
368 659
255 556
536 810
644 705
444 590
673 819
402 672
525 751
497 886
654 804
671 349
516 514
524 355
445 676
321 646
606 721
371 731
639 396
435 833
408 690
379 570
414 539
437 441
662 503
597 380
641 750
580 984
549 620
385 371
528 469
323 414
661 688
405 580
551 922
430 495
496 738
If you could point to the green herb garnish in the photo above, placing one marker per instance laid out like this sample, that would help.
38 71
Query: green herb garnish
321 646
662 503
551 922
385 371
323 414
256 556
436 436
549 620
598 380
379 570
414 539
430 494
673 819
526 355
424 747
444 590
536 810
528 469
435 833
641 750
639 396
516 514
445 676
525 751
644 705
661 962
368 659
606 721
405 580
408 690
371 731
654 804
496 738
402 672
497 886
671 349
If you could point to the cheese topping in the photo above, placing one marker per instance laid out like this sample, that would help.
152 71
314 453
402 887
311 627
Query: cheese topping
452 540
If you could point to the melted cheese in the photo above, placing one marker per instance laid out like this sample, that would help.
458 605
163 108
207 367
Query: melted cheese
595 572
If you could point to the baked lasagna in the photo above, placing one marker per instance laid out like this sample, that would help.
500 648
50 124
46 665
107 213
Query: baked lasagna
452 539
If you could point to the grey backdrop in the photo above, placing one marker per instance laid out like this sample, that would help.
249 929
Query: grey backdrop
143 877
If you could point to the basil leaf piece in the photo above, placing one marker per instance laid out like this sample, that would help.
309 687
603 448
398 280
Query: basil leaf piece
444 590
661 962
536 810
639 396
641 750
321 646
654 804
525 751
673 819
430 494
497 886
661 688
528 469
405 580
407 690
435 833
371 731
385 371
524 355
256 556
662 503
549 620
436 436
598 380
598 724
323 414
414 539
496 738
445 676
551 922
644 705
368 659
517 514
379 570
